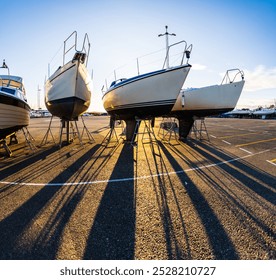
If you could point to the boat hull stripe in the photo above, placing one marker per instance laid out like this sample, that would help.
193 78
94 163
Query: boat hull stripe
10 100
142 104
143 76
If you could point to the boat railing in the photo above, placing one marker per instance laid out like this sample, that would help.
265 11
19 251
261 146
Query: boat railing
73 39
186 53
180 53
231 75
86 47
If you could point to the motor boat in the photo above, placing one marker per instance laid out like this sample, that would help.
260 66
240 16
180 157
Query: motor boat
68 89
14 109
148 95
264 113
207 101
239 113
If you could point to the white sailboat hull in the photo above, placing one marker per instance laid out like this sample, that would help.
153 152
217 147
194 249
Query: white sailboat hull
149 95
208 100
68 91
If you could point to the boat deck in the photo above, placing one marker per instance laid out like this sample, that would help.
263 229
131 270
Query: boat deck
195 200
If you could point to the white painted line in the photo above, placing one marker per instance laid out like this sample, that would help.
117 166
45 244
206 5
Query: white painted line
213 136
271 162
228 143
246 151
134 178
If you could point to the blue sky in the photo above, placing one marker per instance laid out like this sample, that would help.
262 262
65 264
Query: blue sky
225 34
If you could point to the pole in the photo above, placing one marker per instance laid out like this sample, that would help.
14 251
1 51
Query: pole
38 97
138 66
167 43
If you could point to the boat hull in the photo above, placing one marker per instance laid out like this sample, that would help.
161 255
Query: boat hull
68 91
14 115
208 101
67 108
146 96
202 102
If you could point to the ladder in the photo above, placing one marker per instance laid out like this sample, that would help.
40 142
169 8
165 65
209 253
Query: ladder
148 130
29 139
114 123
167 129
199 128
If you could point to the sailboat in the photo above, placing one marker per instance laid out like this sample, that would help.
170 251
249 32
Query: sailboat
148 95
14 109
68 90
207 101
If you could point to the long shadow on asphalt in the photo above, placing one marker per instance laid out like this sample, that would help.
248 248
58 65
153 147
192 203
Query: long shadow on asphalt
241 173
246 173
163 188
221 244
13 227
112 236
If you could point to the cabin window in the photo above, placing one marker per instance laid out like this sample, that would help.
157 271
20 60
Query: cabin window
8 90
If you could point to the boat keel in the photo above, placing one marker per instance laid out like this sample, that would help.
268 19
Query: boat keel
185 126
132 127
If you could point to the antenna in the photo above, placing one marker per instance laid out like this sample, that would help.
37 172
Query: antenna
167 41
5 66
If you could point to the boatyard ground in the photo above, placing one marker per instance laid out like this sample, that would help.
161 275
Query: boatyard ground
157 200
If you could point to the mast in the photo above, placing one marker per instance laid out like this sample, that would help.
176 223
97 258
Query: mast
167 42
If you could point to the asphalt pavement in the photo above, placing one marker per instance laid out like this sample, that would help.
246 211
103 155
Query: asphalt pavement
211 197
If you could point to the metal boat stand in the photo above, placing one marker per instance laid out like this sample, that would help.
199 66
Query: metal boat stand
167 129
88 133
113 124
49 131
4 144
198 128
70 130
13 140
148 137
29 139
148 130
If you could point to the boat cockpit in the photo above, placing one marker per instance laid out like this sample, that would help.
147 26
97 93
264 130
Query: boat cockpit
117 81
12 85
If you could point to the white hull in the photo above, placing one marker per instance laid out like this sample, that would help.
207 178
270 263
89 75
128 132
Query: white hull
216 98
68 91
152 94
12 118
14 109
